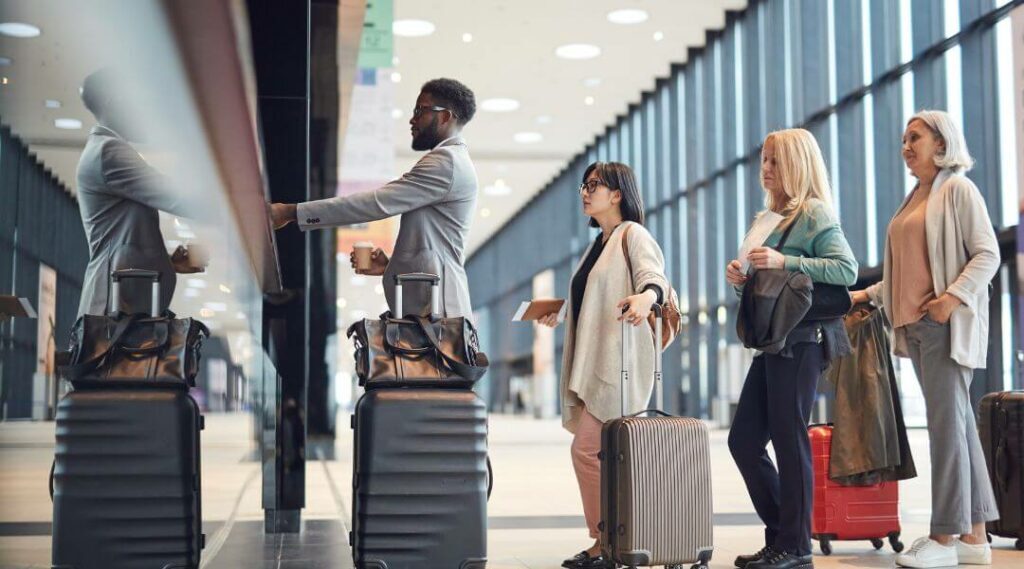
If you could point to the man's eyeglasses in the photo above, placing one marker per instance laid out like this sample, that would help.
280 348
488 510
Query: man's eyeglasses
417 111
590 186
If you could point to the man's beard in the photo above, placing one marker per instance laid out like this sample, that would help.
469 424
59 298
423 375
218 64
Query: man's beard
427 138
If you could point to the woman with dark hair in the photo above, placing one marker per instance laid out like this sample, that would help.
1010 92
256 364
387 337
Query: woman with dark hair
603 293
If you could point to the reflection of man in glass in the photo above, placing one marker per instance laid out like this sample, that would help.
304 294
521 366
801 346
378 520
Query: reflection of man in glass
118 197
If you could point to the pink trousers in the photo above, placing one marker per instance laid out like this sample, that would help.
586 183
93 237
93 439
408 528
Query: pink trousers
585 446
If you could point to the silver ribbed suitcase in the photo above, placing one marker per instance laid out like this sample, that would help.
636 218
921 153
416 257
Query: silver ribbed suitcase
655 483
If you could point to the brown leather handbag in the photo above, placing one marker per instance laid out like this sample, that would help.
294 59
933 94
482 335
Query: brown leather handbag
671 321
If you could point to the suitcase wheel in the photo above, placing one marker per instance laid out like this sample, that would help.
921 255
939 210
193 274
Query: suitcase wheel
989 536
826 546
894 542
1020 544
877 543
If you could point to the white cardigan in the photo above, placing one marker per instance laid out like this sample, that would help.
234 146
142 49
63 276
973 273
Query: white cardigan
964 257
592 351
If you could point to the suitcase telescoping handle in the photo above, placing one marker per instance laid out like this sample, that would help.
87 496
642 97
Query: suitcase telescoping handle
115 289
658 388
435 284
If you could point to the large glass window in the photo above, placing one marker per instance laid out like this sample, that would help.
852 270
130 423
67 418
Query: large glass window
852 72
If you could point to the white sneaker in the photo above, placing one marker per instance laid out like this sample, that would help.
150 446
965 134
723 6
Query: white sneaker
926 553
973 554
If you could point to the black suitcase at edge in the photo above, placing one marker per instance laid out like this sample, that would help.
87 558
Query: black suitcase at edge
1002 437
126 479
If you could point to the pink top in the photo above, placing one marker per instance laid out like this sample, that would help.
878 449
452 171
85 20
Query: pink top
911 269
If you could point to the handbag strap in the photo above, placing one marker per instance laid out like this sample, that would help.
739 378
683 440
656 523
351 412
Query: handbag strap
90 364
785 234
625 251
466 371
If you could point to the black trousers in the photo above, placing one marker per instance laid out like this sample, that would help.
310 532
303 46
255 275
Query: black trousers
775 405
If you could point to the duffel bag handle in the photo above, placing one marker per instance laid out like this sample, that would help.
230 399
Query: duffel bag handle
76 370
393 329
468 372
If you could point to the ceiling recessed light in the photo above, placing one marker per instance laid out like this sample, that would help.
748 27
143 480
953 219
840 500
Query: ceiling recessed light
658 36
528 137
499 105
498 188
206 313
592 82
68 124
3 80
412 28
5 61
396 113
18 30
627 16
588 100
224 288
341 303
52 104
578 51
485 212
394 61
543 119
396 77
467 37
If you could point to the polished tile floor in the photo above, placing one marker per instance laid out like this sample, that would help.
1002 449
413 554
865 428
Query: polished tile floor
535 515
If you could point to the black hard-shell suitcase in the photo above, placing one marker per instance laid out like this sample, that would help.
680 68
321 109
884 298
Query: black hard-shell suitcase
1002 437
125 482
420 480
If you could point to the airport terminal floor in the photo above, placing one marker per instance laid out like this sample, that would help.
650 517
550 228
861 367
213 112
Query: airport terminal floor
535 518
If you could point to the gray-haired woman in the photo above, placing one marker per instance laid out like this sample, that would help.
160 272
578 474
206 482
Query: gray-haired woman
940 255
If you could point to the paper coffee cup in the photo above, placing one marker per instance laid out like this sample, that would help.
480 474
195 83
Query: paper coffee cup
363 250
198 256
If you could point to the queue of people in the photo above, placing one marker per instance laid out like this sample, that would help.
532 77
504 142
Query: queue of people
940 255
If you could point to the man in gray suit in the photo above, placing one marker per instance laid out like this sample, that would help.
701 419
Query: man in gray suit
436 200
118 198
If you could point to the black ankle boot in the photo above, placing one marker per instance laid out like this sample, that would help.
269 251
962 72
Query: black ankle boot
783 560
578 561
744 560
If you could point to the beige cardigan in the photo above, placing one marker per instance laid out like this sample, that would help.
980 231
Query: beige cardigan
964 257
592 351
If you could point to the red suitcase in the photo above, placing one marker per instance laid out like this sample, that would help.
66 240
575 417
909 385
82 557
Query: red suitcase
844 513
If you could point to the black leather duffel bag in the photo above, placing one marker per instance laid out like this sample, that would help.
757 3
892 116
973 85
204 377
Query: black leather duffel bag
135 348
416 351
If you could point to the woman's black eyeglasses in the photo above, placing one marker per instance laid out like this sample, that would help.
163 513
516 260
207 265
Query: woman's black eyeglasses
590 186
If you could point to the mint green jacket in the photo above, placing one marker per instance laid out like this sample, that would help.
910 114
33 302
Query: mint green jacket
817 247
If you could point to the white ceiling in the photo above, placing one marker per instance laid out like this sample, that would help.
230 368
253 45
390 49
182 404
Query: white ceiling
512 54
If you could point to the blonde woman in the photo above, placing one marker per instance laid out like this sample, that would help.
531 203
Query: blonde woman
603 293
940 255
775 403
